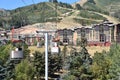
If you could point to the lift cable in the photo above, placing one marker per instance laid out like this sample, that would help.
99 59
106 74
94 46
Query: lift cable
33 1
24 2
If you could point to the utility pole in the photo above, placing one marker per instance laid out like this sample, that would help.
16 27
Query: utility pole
46 50
46 56
46 42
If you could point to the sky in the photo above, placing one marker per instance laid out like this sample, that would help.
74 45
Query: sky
13 4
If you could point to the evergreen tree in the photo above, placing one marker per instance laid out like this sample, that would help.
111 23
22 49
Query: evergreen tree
80 65
24 71
2 73
55 1
10 68
91 1
100 66
7 66
81 62
55 64
106 64
66 5
114 57
39 65
4 53
19 20
78 7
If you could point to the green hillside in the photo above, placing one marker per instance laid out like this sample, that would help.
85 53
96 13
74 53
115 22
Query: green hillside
106 3
4 18
59 12
109 7
94 7
38 13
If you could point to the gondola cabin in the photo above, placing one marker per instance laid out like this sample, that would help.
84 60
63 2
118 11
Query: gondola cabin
16 54
54 48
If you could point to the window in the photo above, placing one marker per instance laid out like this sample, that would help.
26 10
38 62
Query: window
96 35
102 37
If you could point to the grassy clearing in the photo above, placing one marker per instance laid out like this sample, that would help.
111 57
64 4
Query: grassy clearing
90 15
94 49
34 48
91 50
84 21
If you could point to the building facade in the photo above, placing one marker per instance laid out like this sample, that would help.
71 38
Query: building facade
102 34
117 33
97 35
65 35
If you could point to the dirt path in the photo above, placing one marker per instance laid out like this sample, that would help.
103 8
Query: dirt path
68 22
110 18
58 12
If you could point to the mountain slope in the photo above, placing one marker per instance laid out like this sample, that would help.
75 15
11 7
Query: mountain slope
110 18
107 3
102 6
82 2
62 15
107 7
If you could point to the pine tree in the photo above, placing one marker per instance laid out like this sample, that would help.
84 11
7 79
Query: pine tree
2 73
114 57
24 71
55 64
78 7
54 1
100 66
81 61
80 65
39 64
10 67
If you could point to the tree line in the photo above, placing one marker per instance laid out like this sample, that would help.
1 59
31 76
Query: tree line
79 64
